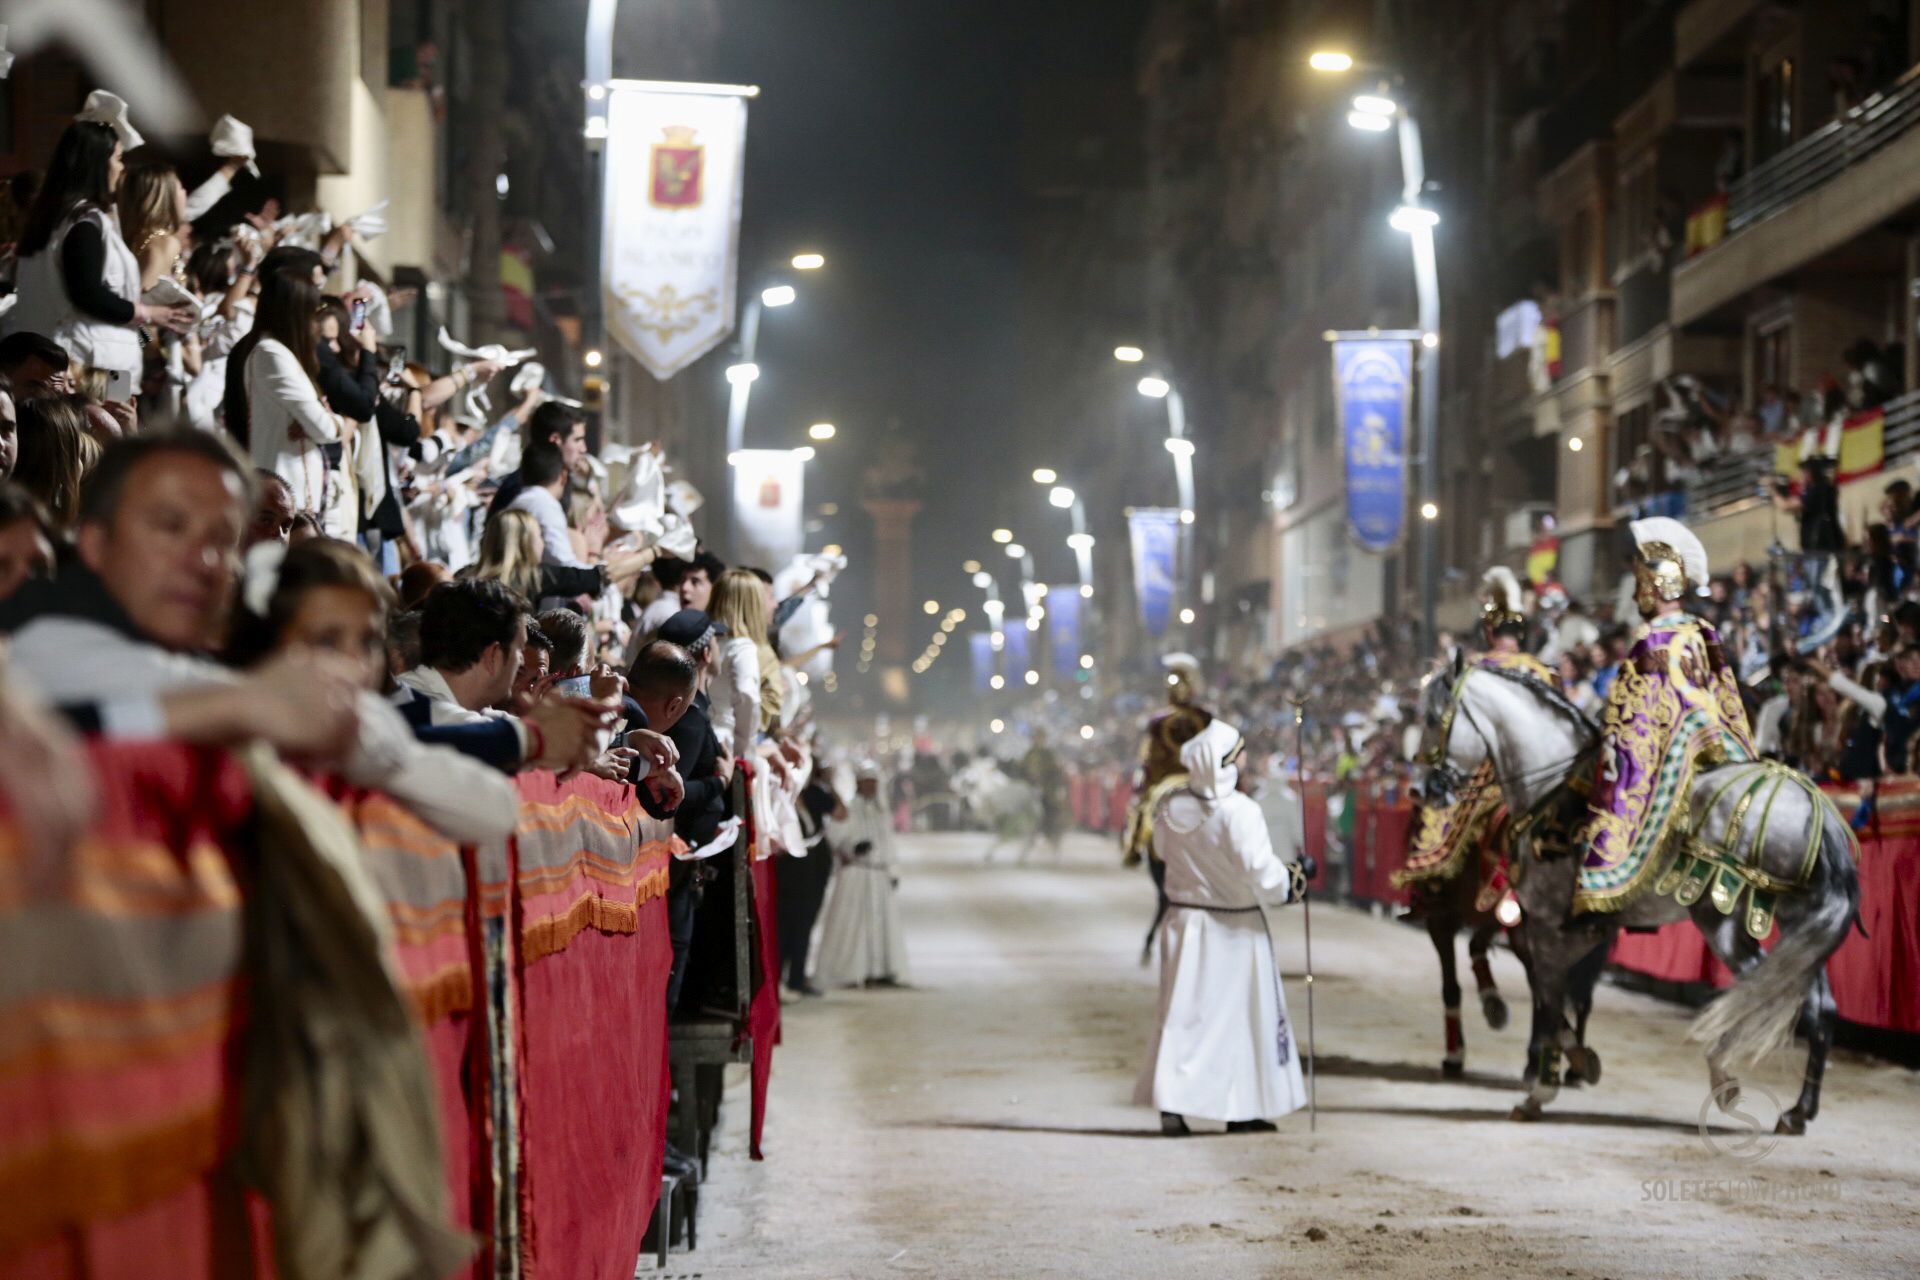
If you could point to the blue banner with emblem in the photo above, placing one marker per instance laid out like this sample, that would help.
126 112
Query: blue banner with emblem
1372 389
980 652
1155 535
1063 629
1015 650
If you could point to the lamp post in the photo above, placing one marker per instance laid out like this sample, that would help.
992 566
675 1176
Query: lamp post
1157 387
1377 113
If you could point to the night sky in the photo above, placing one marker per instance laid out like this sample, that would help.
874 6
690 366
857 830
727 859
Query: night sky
887 136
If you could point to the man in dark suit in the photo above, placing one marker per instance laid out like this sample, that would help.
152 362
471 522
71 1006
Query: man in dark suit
707 771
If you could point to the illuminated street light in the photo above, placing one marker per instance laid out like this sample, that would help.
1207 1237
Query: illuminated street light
1186 516
1155 387
1080 541
1330 60
1129 355
996 682
1413 217
1370 123
930 608
593 359
1086 733
780 295
1061 497
996 725
1186 617
1086 662
1003 536
981 578
741 375
1045 475
809 261
821 431
1086 591
1015 551
1429 511
1575 444
1032 676
1179 447
1374 104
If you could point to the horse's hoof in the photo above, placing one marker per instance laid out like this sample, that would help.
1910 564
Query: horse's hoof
1452 1068
1583 1066
1526 1112
1792 1123
1495 1008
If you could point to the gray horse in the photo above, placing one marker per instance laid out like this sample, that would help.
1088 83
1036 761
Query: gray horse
1536 740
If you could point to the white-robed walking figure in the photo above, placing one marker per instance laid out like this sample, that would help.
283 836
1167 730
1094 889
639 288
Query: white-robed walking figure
860 939
1224 1048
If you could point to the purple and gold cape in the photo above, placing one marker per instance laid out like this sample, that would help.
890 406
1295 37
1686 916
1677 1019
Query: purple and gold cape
1674 708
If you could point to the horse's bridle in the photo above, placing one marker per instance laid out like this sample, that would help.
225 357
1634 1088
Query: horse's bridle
1442 769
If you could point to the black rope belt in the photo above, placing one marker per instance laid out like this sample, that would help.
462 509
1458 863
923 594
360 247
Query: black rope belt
1226 911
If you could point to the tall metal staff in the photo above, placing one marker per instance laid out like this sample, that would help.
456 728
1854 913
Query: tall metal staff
1306 912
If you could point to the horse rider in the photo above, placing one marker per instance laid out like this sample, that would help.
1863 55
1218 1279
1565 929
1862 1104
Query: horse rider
1673 710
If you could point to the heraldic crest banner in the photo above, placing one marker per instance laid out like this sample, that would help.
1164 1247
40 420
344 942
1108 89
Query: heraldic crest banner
670 241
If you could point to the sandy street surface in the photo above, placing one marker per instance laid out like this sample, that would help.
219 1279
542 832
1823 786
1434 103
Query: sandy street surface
979 1124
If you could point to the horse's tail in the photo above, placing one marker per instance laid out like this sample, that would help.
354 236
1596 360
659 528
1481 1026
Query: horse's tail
1757 1015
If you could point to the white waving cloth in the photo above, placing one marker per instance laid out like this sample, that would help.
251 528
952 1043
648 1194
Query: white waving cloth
860 936
1223 1047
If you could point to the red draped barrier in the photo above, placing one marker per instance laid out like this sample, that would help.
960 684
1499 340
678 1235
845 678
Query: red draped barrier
118 1087
1381 830
763 1015
590 877
1313 830
118 1070
1876 976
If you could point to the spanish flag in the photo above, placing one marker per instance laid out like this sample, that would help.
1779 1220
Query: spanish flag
1863 446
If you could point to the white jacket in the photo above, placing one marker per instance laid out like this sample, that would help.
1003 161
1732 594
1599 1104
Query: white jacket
45 308
279 396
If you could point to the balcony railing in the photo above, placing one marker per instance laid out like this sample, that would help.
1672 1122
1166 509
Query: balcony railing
1825 153
1732 479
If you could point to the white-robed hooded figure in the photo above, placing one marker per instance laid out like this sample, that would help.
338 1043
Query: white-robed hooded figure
1224 1048
860 938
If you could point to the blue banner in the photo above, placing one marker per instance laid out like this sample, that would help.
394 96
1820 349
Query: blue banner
1015 650
980 650
1063 629
1372 385
1155 534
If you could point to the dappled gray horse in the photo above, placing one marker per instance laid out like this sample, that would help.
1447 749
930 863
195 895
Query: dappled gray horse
1797 844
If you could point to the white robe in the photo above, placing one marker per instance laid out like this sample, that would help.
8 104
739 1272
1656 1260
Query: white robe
860 937
1224 1047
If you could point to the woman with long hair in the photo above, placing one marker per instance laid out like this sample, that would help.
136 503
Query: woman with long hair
739 605
79 282
510 548
56 454
326 595
274 406
153 215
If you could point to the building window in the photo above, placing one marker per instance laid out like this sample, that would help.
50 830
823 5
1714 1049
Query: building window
1772 358
1633 472
1773 126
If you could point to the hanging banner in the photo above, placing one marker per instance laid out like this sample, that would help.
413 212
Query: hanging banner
1063 630
1016 648
768 489
670 229
1372 387
1155 535
980 650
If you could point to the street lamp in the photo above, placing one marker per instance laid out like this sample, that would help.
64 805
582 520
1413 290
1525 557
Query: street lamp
1158 388
1129 355
1060 496
1045 475
821 431
780 295
1375 113
809 261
